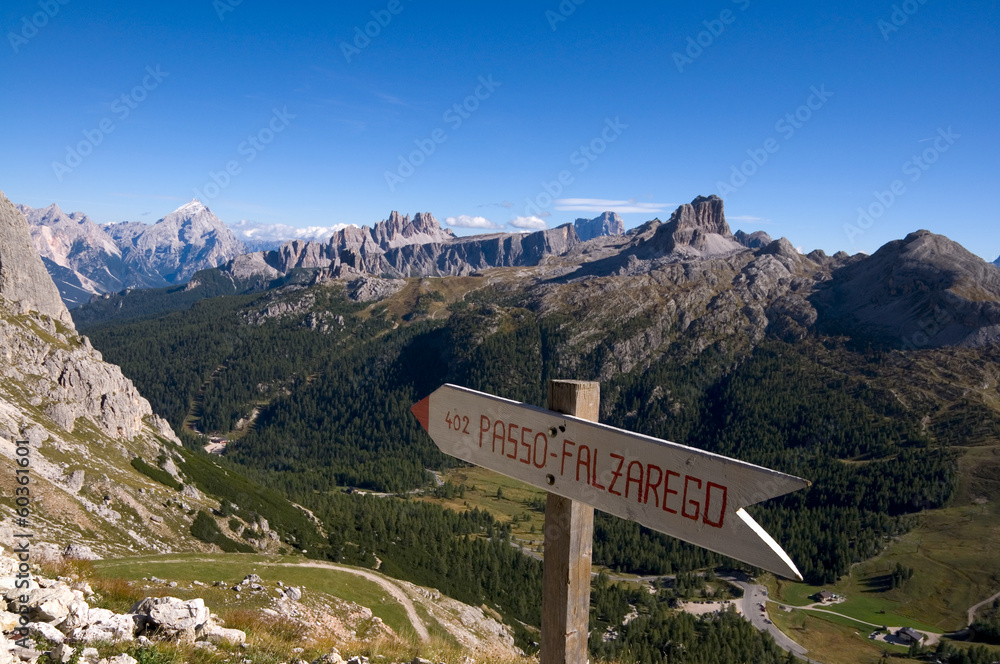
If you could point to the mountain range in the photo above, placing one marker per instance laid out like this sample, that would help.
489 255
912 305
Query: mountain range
873 376
86 259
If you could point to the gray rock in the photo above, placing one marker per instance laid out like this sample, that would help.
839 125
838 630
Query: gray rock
293 593
75 481
45 630
123 659
607 224
23 278
105 625
215 634
172 614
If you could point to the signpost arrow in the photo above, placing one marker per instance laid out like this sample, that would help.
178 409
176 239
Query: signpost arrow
690 494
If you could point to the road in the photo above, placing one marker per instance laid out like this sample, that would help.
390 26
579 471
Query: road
752 596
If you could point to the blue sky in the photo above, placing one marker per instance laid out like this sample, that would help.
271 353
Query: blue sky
532 113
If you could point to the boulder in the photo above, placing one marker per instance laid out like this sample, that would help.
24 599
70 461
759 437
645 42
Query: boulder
52 604
46 631
105 625
293 593
173 614
216 634
78 616
123 659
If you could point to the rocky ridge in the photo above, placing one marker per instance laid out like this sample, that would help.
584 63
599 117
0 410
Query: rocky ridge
609 223
86 259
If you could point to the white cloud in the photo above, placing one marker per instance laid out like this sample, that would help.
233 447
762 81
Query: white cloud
533 223
465 221
599 205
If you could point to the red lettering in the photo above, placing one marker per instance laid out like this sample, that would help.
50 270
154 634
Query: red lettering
526 446
667 490
581 462
512 439
499 436
484 426
697 506
655 486
545 450
566 441
708 502
637 480
593 478
616 473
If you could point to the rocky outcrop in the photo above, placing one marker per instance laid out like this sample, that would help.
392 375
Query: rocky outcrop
755 240
23 280
922 291
609 223
697 229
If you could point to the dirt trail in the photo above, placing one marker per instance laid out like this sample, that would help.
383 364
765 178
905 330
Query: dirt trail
384 583
973 609
388 586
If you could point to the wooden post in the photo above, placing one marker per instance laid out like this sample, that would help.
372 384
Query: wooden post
569 542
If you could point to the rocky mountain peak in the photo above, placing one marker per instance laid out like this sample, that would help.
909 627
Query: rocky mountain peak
755 240
923 290
609 223
398 231
698 228
23 278
704 213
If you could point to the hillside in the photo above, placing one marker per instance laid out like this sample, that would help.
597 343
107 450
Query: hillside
695 338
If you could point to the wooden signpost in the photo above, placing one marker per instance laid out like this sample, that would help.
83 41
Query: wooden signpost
690 494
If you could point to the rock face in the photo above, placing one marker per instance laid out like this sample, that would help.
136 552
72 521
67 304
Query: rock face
85 259
23 279
77 253
754 240
607 224
922 291
697 229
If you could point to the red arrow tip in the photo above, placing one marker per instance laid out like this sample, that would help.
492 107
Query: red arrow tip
421 410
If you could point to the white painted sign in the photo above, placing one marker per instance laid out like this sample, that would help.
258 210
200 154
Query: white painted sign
690 494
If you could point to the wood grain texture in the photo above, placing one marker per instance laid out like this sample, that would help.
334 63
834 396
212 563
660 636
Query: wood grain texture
569 540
